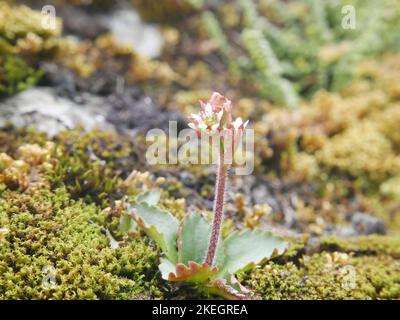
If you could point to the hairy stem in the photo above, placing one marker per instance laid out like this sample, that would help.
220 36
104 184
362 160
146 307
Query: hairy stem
219 200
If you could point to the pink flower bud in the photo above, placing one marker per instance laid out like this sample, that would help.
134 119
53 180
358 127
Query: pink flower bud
215 117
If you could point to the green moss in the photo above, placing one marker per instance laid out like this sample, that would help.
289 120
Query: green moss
373 245
360 268
91 165
60 225
50 229
24 41
17 22
321 277
16 75
166 11
276 282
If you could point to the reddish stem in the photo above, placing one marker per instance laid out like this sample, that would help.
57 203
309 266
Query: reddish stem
219 201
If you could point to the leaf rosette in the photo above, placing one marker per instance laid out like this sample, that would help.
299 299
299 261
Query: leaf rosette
184 247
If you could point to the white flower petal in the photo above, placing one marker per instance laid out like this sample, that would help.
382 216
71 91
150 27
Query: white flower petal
237 123
202 126
208 110
220 114
196 117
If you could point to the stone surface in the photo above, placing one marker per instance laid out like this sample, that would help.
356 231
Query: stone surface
44 110
366 224
129 29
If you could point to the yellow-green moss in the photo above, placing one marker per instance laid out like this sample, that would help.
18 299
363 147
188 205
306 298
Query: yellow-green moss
90 165
50 229
23 39
373 245
358 151
321 277
16 75
165 11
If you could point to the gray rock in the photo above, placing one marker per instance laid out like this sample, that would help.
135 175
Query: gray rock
260 194
365 224
43 110
81 23
129 29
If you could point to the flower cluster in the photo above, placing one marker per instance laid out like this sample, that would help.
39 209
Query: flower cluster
215 118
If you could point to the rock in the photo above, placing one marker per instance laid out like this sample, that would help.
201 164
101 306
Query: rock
41 108
366 224
134 113
260 194
129 29
339 231
82 23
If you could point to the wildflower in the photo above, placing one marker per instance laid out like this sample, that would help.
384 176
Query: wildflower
215 118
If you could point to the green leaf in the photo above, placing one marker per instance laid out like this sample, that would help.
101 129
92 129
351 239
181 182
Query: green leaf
166 267
221 288
193 239
150 197
160 225
200 274
247 248
127 224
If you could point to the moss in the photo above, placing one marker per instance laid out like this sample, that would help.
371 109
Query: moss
166 11
12 138
342 145
56 225
23 40
358 151
373 244
17 22
26 171
91 165
276 282
358 278
22 32
16 75
50 229
329 276
46 222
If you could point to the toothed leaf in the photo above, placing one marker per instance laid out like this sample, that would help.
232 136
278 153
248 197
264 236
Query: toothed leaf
166 267
247 248
221 288
161 226
193 239
193 273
